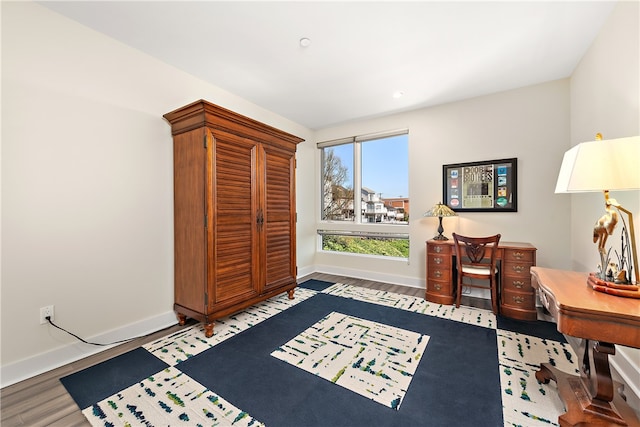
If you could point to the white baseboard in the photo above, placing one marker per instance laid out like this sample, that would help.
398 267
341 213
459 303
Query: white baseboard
305 271
393 279
626 369
44 362
370 275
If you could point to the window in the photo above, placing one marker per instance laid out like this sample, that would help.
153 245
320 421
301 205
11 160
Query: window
337 183
365 181
385 180
382 244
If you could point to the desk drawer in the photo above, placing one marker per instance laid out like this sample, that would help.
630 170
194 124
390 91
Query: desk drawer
439 261
519 300
443 274
517 296
517 269
439 288
519 255
517 284
439 248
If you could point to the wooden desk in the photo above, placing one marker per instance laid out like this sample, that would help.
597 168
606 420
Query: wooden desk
602 320
516 297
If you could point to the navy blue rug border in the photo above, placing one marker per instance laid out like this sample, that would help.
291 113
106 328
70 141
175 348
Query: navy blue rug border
460 363
315 285
95 383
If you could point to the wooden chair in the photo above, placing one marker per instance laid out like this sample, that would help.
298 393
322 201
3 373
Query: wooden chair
476 259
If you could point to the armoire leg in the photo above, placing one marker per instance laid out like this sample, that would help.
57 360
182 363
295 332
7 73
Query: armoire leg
182 319
208 330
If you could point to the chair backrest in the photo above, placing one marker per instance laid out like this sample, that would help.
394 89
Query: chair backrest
475 249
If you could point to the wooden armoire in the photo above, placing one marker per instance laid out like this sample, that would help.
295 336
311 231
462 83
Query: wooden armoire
234 212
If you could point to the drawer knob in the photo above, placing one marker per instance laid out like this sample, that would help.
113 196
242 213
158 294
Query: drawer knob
437 286
437 249
437 273
518 255
437 260
518 268
518 299
518 284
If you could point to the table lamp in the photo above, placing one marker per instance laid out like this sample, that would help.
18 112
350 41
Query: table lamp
605 165
440 211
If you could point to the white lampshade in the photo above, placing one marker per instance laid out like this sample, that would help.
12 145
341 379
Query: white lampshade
612 164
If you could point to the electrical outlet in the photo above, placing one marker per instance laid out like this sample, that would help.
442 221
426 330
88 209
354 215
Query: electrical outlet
46 312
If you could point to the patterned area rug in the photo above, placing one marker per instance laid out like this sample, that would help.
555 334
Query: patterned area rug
368 358
334 355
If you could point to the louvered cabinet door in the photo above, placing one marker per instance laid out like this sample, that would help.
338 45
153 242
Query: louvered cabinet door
232 225
234 206
279 218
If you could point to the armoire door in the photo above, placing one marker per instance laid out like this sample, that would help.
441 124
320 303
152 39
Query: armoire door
190 235
233 238
279 217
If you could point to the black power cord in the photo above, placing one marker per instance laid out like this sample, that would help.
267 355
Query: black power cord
48 318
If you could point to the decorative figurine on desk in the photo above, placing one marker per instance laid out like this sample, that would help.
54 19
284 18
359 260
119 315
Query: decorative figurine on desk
612 278
601 231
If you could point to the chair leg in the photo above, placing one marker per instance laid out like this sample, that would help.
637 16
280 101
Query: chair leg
458 292
494 296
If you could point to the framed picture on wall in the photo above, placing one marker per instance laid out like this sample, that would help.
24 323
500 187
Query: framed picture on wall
481 186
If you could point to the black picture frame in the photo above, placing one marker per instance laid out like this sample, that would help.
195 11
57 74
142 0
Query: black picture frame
486 186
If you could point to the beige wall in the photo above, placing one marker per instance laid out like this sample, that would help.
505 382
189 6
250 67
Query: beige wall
530 123
605 94
87 186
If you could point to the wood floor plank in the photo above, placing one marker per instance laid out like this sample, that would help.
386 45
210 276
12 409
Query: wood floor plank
13 421
50 411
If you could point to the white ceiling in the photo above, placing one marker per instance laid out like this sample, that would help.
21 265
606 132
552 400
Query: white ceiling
361 52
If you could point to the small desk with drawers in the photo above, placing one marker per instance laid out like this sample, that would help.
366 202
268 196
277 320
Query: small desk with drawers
517 298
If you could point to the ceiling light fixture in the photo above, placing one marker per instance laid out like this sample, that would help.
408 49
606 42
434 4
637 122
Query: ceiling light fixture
305 42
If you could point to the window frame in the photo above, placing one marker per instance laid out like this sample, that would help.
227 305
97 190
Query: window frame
356 169
357 227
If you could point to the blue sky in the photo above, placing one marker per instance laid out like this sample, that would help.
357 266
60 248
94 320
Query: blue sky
385 165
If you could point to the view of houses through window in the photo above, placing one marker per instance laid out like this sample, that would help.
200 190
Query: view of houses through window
365 181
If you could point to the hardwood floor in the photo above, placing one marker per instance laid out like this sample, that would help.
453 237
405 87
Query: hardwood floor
43 401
